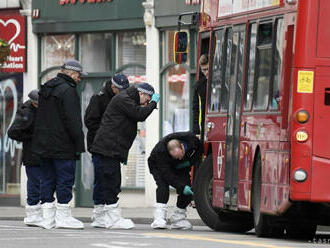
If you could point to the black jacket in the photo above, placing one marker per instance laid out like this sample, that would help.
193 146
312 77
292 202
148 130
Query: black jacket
160 162
199 93
22 130
94 112
58 130
119 124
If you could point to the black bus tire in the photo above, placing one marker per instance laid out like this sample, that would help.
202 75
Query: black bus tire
263 224
203 200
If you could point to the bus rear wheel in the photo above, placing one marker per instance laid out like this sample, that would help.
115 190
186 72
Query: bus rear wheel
215 219
263 224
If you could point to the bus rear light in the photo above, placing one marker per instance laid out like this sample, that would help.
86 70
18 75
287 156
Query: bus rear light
301 136
302 116
300 175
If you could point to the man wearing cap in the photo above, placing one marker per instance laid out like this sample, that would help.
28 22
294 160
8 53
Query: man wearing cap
114 139
93 116
22 130
59 141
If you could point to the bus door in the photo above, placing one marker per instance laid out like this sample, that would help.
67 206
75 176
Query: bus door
234 77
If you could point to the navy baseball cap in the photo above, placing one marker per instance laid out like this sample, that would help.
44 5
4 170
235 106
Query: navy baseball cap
120 81
73 65
145 88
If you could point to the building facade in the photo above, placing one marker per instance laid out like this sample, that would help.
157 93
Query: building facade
130 37
14 29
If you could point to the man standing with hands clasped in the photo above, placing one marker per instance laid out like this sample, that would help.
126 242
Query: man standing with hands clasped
59 141
170 164
113 140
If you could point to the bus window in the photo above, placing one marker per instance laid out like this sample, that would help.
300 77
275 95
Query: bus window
252 39
226 82
264 65
215 83
277 65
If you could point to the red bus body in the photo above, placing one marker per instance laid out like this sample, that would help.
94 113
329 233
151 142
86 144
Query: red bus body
273 133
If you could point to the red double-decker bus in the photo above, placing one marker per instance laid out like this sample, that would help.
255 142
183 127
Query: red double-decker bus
267 147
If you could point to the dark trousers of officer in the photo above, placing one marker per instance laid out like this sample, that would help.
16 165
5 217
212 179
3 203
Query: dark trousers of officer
111 179
163 192
57 175
33 184
98 196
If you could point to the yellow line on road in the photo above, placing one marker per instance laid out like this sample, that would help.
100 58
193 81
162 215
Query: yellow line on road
225 241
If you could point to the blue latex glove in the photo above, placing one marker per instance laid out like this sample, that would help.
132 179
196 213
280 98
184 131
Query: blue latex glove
187 190
182 165
155 97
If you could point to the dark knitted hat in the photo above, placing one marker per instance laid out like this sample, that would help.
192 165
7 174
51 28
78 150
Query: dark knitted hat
145 88
33 95
120 81
73 65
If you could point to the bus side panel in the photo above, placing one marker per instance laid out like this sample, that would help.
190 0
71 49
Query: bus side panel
269 180
216 135
320 190
283 186
320 181
321 139
323 37
244 184
218 174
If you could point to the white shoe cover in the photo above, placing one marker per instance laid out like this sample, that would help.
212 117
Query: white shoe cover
33 215
159 216
64 218
178 220
48 215
114 219
99 217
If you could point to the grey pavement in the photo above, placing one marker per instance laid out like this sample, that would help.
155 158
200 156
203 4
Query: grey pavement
14 234
138 215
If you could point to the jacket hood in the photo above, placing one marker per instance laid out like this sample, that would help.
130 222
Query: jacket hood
61 78
133 93
183 136
28 104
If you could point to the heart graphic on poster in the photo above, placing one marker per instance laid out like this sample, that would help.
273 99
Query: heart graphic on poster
14 22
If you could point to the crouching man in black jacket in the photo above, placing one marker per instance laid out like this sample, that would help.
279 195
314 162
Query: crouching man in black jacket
170 164
114 139
59 141
93 117
22 130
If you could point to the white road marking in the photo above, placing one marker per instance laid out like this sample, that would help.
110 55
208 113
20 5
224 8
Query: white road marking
107 246
130 244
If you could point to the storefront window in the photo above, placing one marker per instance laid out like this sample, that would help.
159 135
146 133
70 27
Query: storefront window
11 88
55 50
95 52
175 92
132 50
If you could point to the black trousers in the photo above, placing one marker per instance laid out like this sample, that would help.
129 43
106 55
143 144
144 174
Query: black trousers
163 191
110 179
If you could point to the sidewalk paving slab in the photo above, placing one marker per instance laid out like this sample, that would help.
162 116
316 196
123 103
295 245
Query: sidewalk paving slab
138 215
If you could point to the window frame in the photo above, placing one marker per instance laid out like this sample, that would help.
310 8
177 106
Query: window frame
213 46
252 108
